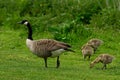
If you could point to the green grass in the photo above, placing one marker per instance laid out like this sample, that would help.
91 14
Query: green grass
18 63
72 21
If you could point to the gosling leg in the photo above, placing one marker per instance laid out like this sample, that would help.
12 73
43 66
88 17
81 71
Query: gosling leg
104 67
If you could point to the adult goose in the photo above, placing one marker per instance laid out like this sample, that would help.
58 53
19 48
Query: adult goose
45 48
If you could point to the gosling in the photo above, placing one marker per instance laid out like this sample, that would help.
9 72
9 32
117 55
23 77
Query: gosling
95 43
87 51
104 59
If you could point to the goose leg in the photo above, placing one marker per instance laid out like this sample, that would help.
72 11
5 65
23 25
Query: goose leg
58 62
45 59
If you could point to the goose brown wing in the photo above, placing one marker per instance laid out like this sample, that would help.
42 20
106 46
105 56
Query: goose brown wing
52 45
65 44
59 45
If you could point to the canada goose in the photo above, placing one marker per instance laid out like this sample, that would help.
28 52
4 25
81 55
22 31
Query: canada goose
103 58
87 50
45 48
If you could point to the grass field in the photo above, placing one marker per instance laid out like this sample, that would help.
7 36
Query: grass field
18 63
71 21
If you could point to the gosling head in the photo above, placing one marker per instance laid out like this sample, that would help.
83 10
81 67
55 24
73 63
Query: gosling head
91 65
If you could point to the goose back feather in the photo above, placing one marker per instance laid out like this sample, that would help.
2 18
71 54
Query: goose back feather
46 47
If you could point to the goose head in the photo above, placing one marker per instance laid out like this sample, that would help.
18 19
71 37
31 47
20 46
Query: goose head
25 22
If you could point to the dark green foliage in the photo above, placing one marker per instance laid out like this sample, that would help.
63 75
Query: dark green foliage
65 19
70 32
87 10
108 18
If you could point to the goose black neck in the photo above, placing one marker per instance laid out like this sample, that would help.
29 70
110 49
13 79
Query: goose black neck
29 31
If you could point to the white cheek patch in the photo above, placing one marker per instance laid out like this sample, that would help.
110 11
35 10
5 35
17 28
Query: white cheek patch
57 52
26 23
